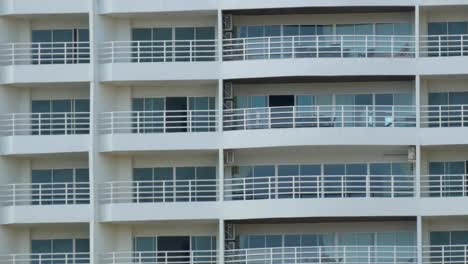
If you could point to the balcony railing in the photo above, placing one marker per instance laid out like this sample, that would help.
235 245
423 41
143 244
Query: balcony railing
324 254
162 257
44 53
319 186
444 116
46 258
51 123
158 51
159 121
317 46
45 193
444 185
456 254
444 45
319 116
167 191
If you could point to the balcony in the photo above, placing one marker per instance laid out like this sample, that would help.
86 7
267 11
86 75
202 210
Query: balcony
445 254
444 124
137 200
180 257
45 62
335 55
49 132
149 130
445 185
46 202
46 258
172 60
327 124
319 186
324 254
443 54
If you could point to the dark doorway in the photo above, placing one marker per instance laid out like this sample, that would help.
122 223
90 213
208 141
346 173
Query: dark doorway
281 115
173 249
176 117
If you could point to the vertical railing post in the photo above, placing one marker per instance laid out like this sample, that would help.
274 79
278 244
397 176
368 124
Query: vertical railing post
111 192
14 195
341 47
392 186
190 190
164 122
13 130
138 51
367 185
395 255
190 121
392 41
190 50
138 122
65 53
112 122
244 186
39 128
40 193
39 55
244 115
443 254
164 191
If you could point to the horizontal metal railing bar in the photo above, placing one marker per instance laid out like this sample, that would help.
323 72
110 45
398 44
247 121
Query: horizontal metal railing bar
160 121
320 186
158 51
165 190
166 257
45 193
319 46
71 52
44 123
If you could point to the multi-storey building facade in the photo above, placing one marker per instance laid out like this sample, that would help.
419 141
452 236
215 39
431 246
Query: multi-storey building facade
237 132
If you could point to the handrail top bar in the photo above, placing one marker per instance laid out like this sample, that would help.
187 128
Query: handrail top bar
320 36
318 106
45 113
117 182
159 111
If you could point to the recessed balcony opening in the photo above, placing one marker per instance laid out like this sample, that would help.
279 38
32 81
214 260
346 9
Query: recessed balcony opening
444 172
445 239
444 101
320 173
52 109
175 38
47 243
164 243
164 108
168 177
367 241
318 33
47 40
47 180
444 31
337 103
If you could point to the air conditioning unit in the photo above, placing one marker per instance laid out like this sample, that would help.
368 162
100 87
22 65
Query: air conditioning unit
227 36
227 22
228 245
228 105
412 153
227 91
229 158
229 231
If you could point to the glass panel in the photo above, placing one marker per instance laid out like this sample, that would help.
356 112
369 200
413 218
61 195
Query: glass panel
205 186
60 48
263 176
204 49
41 49
163 45
288 181
380 179
41 246
163 185
355 180
82 186
184 37
333 177
184 179
41 192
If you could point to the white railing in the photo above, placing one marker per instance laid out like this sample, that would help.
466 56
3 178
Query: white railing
319 116
319 186
46 258
444 116
324 254
44 193
159 121
456 254
444 185
52 123
44 53
158 51
444 45
162 257
316 46
165 191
